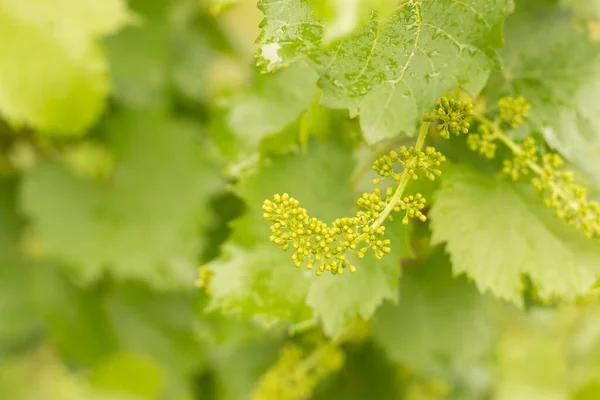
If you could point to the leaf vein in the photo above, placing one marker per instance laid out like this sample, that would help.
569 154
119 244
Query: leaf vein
470 7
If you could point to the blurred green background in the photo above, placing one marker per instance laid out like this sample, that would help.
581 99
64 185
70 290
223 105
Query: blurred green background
122 132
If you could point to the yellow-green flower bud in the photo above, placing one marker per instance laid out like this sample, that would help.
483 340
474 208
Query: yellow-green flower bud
453 116
513 110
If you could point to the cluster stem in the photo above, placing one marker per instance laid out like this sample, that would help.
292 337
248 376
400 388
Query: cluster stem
404 178
516 149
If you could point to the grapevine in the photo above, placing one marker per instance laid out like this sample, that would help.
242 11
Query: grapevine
330 247
316 243
300 199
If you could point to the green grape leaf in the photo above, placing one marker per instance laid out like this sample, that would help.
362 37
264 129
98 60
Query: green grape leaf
339 300
146 223
251 262
390 73
438 318
554 65
59 47
498 232
272 103
319 178
259 283
342 17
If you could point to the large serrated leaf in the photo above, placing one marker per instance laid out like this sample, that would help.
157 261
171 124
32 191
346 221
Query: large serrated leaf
390 73
498 232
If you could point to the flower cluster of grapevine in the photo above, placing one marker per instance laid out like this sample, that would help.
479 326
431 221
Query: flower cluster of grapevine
295 375
205 276
325 247
554 184
329 247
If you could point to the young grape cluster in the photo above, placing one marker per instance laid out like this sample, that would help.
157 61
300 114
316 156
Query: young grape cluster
483 142
513 110
519 164
413 161
555 185
316 243
205 276
331 247
567 198
453 117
